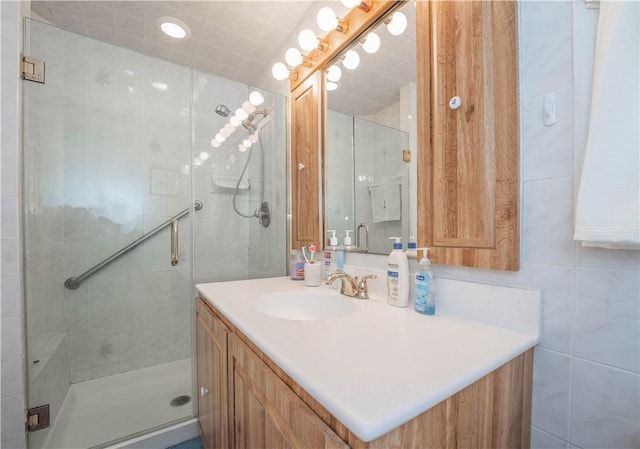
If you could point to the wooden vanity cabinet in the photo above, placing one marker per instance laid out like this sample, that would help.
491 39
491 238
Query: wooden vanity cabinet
265 408
267 413
211 375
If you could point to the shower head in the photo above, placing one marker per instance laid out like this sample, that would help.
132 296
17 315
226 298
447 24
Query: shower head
223 111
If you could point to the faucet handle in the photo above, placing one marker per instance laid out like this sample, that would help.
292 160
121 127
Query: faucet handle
363 288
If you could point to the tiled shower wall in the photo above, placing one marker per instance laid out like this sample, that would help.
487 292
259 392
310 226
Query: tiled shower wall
227 245
106 160
586 386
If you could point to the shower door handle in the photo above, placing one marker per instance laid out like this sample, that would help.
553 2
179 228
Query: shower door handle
174 242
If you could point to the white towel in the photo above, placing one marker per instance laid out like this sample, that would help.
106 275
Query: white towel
385 202
607 212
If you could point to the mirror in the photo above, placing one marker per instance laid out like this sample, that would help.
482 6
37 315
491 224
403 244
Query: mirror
371 140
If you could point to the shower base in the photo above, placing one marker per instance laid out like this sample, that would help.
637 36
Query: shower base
115 407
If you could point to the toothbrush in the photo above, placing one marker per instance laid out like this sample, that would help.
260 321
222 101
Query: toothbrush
304 254
312 248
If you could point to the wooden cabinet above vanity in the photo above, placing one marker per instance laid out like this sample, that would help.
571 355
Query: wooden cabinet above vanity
468 159
467 202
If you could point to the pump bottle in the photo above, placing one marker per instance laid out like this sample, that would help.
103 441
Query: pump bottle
330 255
424 286
397 275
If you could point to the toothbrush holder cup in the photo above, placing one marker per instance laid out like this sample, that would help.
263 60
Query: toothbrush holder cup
312 274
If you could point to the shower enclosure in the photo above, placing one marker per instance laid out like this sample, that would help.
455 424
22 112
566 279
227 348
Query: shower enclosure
368 180
115 144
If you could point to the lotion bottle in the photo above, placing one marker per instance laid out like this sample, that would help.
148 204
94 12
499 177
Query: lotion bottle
424 287
397 275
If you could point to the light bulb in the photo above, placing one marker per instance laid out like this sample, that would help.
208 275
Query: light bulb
225 133
307 40
253 138
242 148
229 128
293 57
351 60
241 114
280 71
248 107
331 86
204 156
247 143
398 24
327 19
197 162
256 98
334 73
350 3
220 138
371 43
215 143
235 121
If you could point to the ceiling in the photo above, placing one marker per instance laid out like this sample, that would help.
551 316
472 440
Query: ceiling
237 40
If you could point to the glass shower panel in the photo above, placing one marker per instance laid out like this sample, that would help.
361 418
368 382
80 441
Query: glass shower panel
382 183
107 152
235 182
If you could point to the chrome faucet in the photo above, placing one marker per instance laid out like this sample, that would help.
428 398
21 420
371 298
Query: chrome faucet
350 285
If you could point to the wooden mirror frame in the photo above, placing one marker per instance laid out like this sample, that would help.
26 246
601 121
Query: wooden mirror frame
308 114
468 158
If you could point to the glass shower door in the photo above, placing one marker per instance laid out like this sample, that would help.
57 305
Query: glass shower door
107 151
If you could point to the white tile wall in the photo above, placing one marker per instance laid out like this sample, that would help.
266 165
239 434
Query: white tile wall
11 311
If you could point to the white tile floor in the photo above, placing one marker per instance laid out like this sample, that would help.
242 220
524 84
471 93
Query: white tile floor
109 408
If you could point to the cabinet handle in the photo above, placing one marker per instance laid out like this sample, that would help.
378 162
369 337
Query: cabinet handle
455 102
300 166
203 391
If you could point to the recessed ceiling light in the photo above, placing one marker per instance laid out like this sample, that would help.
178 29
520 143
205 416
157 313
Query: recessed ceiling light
173 27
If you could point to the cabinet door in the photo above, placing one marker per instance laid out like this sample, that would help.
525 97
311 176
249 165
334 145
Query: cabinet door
211 354
307 123
468 162
268 414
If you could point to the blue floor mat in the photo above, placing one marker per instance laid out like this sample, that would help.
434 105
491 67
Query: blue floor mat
194 443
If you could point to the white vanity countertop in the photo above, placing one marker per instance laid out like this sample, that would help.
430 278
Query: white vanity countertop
381 366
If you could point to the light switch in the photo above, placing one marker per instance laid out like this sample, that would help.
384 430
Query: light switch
549 115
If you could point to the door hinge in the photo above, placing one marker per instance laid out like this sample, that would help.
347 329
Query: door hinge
406 155
37 418
32 69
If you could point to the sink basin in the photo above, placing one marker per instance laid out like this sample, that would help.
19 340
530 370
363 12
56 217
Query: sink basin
304 306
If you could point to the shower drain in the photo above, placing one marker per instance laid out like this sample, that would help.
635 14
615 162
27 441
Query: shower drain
180 401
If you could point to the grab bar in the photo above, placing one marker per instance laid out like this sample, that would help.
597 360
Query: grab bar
74 282
366 235
174 242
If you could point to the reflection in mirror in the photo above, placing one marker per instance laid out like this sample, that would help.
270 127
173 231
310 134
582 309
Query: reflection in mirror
370 123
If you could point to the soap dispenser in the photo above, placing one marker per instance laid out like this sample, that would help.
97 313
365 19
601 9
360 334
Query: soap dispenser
347 242
397 275
330 255
424 286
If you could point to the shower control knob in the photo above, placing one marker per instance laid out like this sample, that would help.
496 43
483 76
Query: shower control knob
300 166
